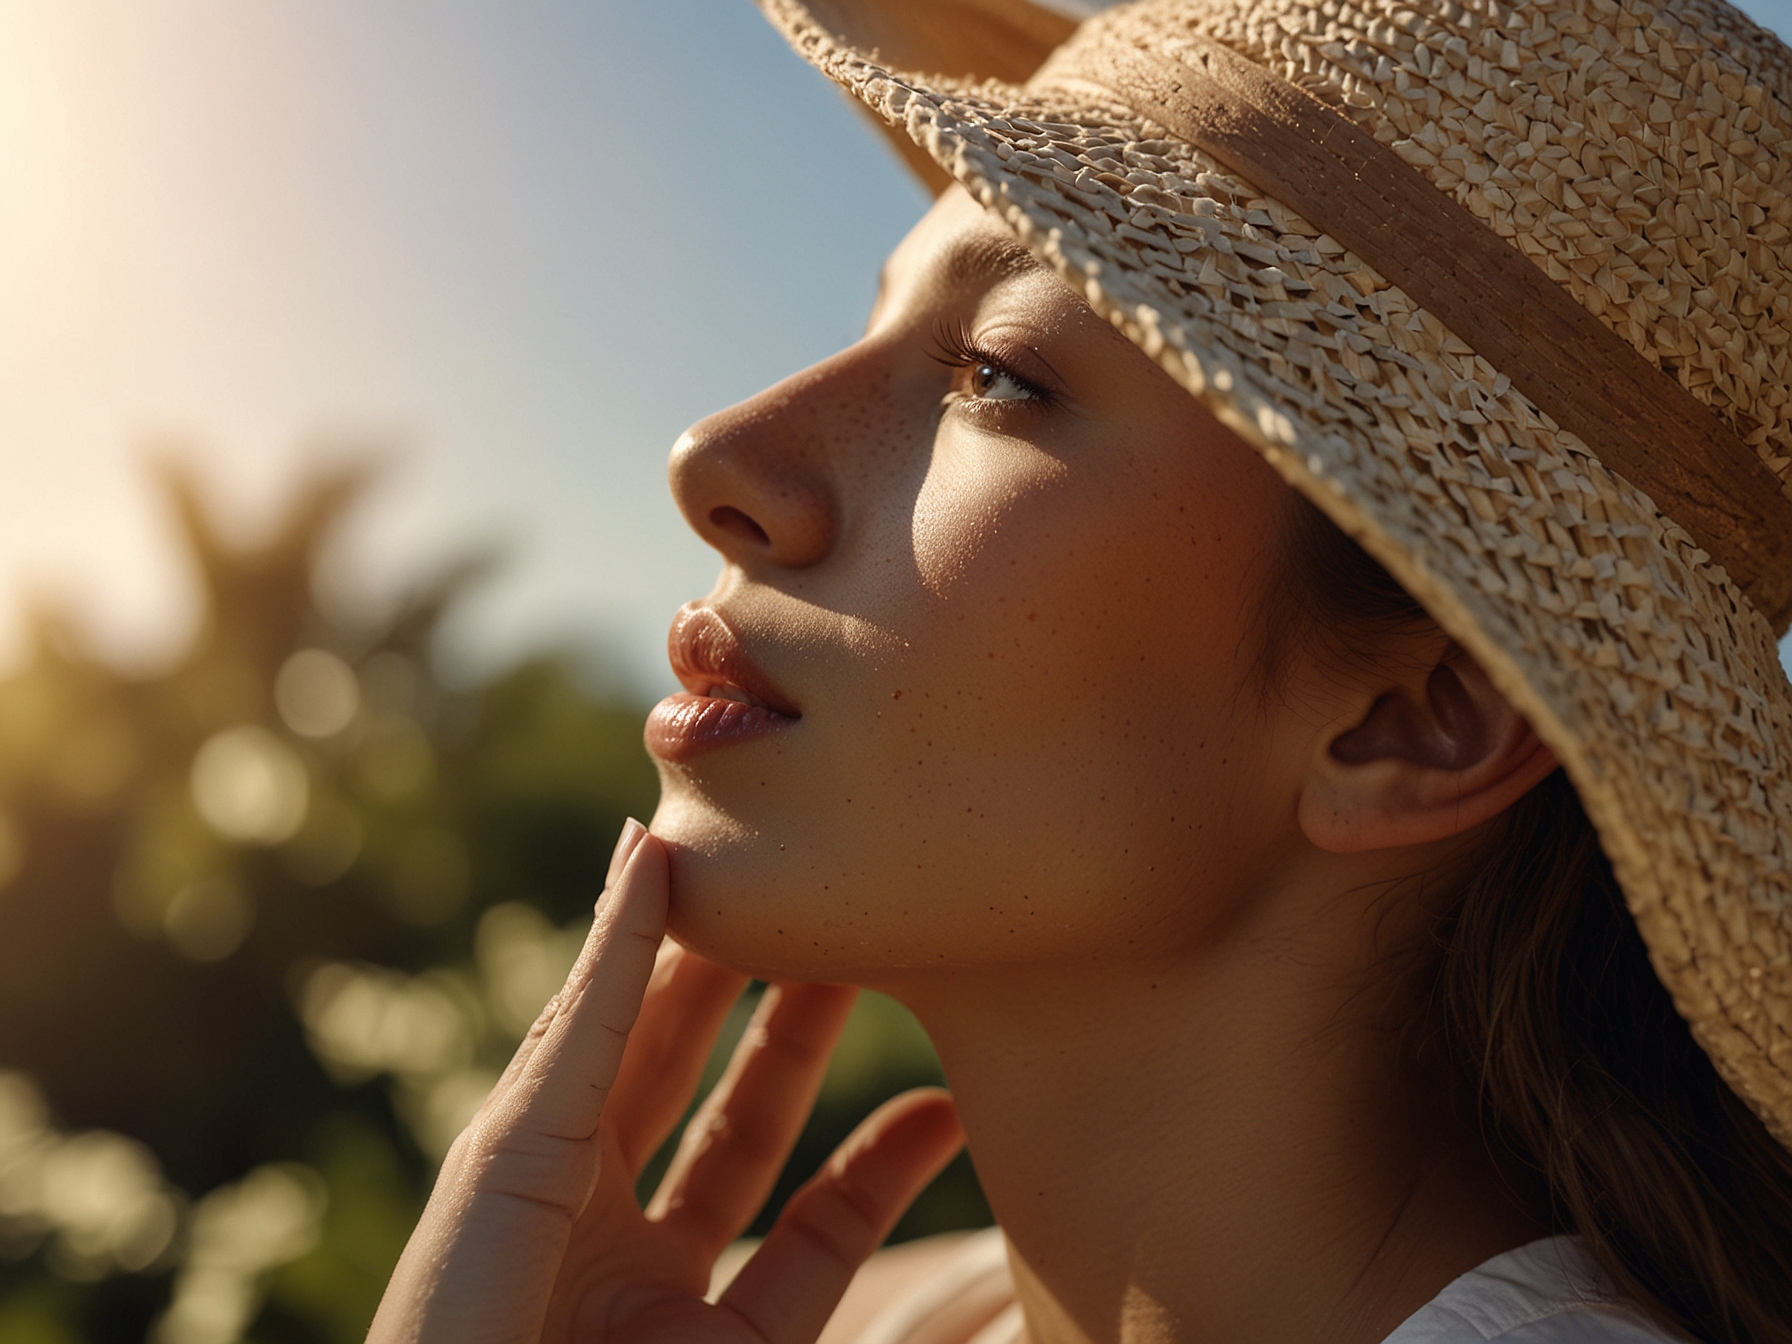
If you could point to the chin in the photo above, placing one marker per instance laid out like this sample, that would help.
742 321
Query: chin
780 885
737 898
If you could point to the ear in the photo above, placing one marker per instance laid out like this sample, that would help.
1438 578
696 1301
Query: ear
1431 757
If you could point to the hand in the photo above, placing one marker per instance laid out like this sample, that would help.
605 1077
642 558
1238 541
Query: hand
533 1234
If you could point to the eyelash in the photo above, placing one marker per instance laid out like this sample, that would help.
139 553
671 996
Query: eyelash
956 349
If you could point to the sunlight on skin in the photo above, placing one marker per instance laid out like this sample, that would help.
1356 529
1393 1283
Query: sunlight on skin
1136 905
979 534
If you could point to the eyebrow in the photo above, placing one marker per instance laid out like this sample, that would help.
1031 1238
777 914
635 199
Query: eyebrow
987 259
983 259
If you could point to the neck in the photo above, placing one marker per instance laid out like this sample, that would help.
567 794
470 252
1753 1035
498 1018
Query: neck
1222 1148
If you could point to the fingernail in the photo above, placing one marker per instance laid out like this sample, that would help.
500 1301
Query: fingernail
632 834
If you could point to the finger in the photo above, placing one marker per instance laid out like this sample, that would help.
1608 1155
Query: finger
483 1259
687 1000
535 1143
632 834
736 1144
790 1287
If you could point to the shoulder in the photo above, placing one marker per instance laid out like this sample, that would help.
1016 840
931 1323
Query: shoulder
1549 1292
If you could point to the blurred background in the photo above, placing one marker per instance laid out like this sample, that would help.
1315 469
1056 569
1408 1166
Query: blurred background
341 346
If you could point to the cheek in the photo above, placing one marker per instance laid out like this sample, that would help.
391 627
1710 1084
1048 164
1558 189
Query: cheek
1046 755
1084 589
967 504
1064 744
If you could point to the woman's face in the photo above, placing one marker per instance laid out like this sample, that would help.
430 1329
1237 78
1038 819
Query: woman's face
997 570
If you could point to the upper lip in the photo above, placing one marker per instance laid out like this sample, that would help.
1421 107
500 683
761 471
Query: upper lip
708 657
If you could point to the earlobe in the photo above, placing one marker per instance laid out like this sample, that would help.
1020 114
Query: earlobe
1425 761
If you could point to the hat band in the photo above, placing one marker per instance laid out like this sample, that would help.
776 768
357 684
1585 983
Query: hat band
1637 418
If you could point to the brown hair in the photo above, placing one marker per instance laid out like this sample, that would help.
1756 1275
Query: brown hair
1542 1009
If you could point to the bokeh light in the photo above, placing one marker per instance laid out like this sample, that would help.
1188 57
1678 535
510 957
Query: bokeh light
341 345
316 693
250 786
236 1234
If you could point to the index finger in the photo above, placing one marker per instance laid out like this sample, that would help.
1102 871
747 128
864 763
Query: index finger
560 1091
483 1259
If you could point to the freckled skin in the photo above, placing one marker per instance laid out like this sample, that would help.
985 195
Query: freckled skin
1016 631
1146 913
1152 919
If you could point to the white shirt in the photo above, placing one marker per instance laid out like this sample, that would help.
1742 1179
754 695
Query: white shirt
1548 1292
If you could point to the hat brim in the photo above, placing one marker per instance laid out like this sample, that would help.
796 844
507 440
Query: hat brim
1655 682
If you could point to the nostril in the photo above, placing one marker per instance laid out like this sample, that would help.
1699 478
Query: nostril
732 521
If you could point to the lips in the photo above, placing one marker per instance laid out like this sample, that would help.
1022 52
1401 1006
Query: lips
726 699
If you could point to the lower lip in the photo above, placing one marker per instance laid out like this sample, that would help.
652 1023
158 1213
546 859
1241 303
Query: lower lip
685 725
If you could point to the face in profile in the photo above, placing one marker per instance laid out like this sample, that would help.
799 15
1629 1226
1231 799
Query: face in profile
973 686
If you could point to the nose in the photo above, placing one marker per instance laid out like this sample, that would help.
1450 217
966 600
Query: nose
758 481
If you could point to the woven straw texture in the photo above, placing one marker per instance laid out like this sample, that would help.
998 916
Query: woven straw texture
1637 153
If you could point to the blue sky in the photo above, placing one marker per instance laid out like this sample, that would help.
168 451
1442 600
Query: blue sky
527 241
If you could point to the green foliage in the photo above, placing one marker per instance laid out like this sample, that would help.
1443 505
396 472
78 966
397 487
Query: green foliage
39 1313
336 1286
271 921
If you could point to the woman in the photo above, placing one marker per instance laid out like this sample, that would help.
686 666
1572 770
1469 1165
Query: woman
1245 883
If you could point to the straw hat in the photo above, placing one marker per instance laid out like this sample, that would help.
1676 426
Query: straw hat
1507 292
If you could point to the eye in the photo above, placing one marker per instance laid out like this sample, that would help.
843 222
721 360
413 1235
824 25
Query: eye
978 375
991 382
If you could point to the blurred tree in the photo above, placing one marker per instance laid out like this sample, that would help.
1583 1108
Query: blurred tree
270 922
